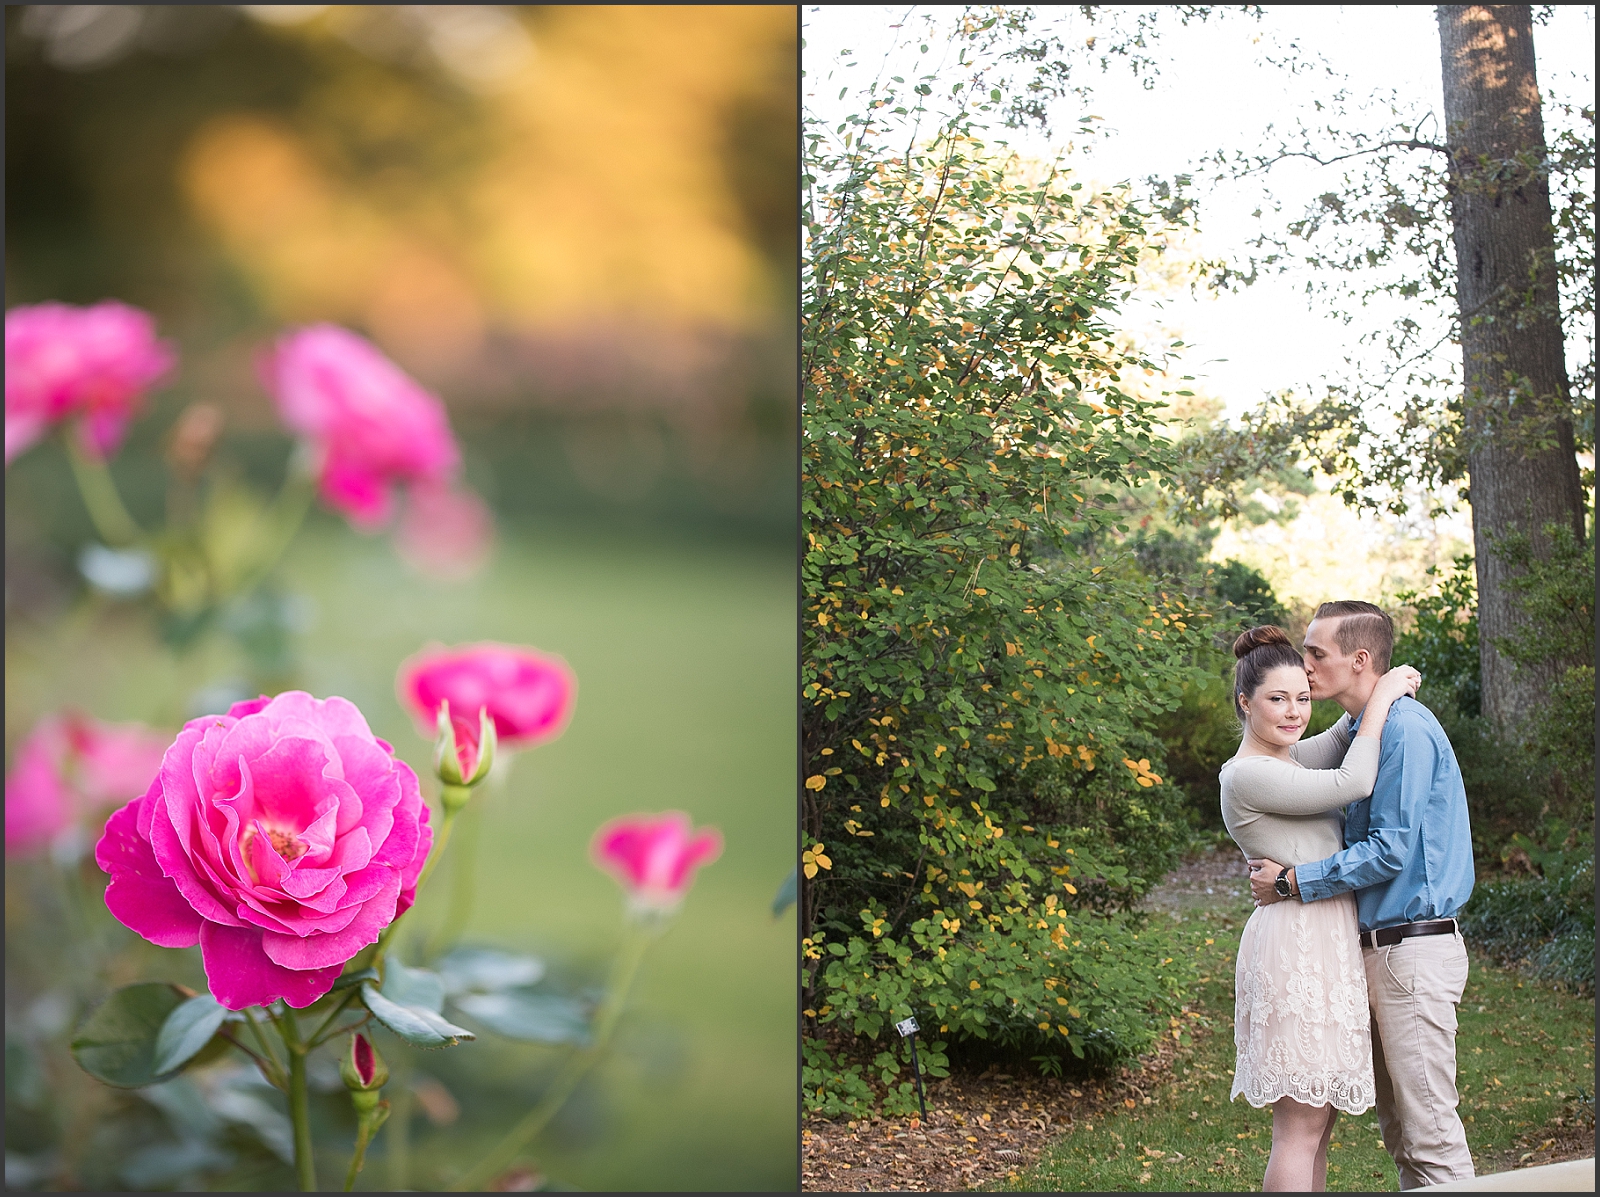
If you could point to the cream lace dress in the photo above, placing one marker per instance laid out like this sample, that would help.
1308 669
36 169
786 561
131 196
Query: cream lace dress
1300 1016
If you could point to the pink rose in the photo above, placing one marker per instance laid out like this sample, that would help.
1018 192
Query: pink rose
72 767
92 363
370 425
282 837
655 856
529 695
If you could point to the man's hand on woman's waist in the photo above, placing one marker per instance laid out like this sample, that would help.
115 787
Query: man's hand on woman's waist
1264 881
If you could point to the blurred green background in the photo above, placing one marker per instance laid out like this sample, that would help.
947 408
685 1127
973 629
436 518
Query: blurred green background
576 225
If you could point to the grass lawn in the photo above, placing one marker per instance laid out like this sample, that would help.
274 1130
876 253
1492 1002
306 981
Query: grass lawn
1525 1053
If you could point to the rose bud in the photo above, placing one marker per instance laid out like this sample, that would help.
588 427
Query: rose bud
364 1073
463 754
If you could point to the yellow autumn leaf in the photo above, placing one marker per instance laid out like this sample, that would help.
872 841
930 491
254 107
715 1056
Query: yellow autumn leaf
816 781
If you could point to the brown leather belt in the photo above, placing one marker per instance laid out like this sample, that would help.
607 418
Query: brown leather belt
1387 937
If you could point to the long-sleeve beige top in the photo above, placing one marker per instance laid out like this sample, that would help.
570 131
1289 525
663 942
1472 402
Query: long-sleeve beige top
1291 812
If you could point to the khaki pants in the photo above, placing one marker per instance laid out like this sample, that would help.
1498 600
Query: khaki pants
1413 988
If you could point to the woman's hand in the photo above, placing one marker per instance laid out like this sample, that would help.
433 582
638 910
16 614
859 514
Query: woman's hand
1401 680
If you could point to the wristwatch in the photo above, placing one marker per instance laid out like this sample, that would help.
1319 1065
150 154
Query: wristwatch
1281 885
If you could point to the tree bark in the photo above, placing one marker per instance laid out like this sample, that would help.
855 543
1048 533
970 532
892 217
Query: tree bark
1522 469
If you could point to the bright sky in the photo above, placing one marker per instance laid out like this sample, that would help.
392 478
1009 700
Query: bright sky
1213 91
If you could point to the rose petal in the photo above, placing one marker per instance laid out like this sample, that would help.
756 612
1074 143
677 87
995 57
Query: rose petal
240 973
140 895
315 951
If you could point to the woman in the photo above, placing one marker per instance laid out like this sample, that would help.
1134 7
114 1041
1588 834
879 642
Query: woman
1300 1023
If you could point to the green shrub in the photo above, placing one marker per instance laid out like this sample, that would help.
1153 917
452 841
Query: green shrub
1248 594
1442 641
1545 924
984 796
835 1086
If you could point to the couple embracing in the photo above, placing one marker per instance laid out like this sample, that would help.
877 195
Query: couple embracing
1351 967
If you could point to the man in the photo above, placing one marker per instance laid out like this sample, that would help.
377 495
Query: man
1409 860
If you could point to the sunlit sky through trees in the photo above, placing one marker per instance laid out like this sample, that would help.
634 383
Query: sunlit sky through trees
1215 89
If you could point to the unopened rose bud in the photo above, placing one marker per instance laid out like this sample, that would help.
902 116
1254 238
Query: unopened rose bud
363 1068
463 754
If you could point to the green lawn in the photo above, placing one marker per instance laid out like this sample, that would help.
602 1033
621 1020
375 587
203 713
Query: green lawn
685 656
1525 1054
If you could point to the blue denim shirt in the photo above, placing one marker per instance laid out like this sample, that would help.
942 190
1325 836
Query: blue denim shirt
1409 853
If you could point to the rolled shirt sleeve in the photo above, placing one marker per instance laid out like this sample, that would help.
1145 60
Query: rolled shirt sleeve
1407 765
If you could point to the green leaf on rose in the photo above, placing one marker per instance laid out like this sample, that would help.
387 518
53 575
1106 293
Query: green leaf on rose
409 1005
116 1044
187 1030
417 1025
419 987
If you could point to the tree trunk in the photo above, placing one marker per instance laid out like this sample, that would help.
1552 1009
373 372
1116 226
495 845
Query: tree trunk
1523 473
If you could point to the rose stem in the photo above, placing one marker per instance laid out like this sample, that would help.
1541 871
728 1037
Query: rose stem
305 1165
111 518
318 1036
575 1069
462 875
363 1137
261 1040
446 823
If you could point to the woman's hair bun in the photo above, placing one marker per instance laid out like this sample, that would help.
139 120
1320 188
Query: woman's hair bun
1256 638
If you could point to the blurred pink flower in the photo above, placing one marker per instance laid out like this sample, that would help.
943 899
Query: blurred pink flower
72 767
371 426
38 803
529 695
282 837
93 363
443 533
655 856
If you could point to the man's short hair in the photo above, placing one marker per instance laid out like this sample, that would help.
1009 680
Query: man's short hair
1361 625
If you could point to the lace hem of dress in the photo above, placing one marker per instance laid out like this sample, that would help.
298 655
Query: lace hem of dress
1346 1094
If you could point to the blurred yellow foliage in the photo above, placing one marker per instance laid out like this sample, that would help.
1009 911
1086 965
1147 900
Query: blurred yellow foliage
591 185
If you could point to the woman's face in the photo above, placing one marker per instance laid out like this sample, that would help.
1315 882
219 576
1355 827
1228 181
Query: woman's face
1279 709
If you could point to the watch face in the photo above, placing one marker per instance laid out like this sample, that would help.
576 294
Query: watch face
1282 886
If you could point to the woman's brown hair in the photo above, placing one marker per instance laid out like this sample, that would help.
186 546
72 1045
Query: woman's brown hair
1259 650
